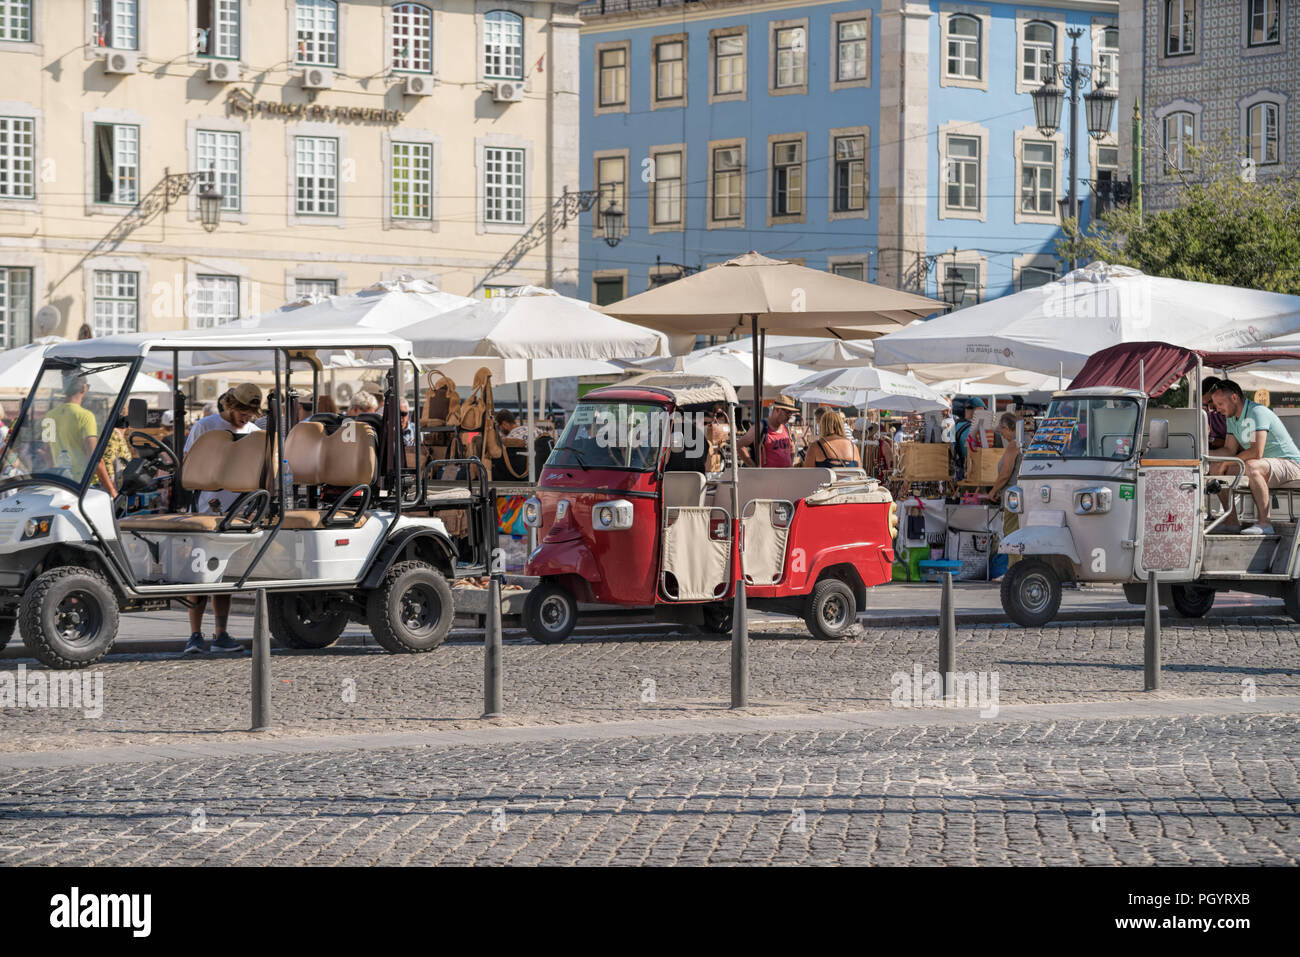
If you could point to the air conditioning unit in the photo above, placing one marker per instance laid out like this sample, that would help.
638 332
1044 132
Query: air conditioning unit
508 91
317 78
121 61
223 71
419 85
345 389
212 389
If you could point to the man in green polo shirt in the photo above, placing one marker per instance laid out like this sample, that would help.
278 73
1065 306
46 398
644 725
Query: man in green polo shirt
76 434
1256 436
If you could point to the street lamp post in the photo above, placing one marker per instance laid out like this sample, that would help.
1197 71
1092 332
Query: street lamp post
1048 99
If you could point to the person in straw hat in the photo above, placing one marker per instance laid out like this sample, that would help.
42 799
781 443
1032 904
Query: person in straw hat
775 446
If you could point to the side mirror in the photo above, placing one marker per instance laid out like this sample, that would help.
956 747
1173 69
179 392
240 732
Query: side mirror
1158 434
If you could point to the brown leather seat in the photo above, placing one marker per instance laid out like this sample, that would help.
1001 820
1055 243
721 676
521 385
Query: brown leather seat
343 459
310 519
170 523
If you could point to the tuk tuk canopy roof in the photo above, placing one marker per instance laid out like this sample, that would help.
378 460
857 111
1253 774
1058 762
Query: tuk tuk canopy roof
227 343
1155 367
682 389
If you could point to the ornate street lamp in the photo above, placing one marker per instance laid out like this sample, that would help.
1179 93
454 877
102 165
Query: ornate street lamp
1100 107
954 287
1048 99
210 205
612 220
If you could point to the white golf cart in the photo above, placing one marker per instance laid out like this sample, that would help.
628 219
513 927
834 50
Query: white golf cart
330 519
1113 489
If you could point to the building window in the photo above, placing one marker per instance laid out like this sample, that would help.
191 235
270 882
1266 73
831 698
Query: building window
613 77
17 157
969 273
791 56
611 184
218 29
412 38
1180 133
856 271
215 301
115 24
727 183
608 290
503 46
117 163
316 175
503 185
16 22
851 50
1107 178
412 177
787 178
116 308
1031 277
1038 178
963 47
1037 52
1264 17
963 173
318 32
1180 27
667 188
850 174
670 70
1108 59
729 64
315 288
1262 133
218 152
15 307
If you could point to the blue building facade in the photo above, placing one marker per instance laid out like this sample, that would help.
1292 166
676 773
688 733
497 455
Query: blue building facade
858 136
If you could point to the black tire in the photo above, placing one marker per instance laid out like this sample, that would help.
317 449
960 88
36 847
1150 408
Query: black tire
412 609
68 617
717 618
303 620
1031 592
6 631
1291 598
550 613
831 610
1191 601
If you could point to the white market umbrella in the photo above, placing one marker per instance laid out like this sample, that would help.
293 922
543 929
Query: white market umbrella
531 323
868 388
382 307
20 367
727 362
807 351
1006 382
1054 328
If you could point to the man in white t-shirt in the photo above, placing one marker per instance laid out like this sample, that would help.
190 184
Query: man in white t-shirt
239 407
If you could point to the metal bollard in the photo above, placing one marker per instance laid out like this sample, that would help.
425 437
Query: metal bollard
740 649
947 636
492 650
1151 638
261 664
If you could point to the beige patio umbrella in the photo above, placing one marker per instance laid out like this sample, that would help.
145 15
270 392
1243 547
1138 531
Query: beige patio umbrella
758 295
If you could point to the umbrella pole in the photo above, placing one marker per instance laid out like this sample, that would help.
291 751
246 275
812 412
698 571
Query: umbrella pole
758 390
739 613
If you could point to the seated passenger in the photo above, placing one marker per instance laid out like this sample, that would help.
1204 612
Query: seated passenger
833 449
1256 436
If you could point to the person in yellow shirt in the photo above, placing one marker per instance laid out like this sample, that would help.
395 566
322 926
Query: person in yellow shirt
76 433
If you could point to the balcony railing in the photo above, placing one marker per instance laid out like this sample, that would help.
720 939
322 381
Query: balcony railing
597 7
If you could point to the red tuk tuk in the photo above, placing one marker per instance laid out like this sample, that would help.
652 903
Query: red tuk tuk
630 516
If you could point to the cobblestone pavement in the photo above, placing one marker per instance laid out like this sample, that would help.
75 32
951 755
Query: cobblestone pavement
152 699
1191 789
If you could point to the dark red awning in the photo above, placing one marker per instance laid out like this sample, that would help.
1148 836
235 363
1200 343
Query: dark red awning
1159 365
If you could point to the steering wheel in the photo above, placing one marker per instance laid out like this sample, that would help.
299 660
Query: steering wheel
139 441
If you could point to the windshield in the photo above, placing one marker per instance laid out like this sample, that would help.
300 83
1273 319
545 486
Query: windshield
1087 428
58 434
612 435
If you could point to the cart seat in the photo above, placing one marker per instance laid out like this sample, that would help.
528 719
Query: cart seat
683 489
170 523
310 519
789 485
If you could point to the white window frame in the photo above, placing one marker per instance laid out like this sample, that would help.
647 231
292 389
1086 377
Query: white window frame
837 266
18 158
1032 54
797 170
1281 103
316 33
620 75
210 292
963 48
14 32
741 34
711 221
314 286
214 148
420 188
976 132
126 164
863 134
1178 10
969 176
503 45
1175 159
1030 135
1107 65
115 308
504 185
657 70
223 40
983 17
1254 114
122 32
1254 13
411 25
678 188
619 193
838 22
796 49
15 281
322 190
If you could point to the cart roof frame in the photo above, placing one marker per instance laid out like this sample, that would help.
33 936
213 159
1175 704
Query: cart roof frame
681 388
140 344
1154 367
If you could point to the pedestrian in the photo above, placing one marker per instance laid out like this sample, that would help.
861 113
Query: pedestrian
776 449
833 449
363 403
1008 469
239 408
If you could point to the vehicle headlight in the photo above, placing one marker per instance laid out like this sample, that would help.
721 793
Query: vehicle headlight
1045 493
533 513
1086 502
1012 500
1092 501
37 527
612 516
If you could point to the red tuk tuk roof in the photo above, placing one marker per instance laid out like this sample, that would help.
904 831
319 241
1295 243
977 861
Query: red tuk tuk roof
1159 365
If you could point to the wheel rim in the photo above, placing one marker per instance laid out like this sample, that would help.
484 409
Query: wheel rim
78 619
835 612
554 613
1035 593
420 610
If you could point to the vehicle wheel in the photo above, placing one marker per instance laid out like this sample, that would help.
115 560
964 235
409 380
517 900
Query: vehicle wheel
717 619
550 613
304 620
1291 597
1191 601
1031 592
831 609
412 609
6 631
68 617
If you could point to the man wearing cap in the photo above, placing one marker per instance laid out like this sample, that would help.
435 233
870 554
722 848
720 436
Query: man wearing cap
239 407
777 450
